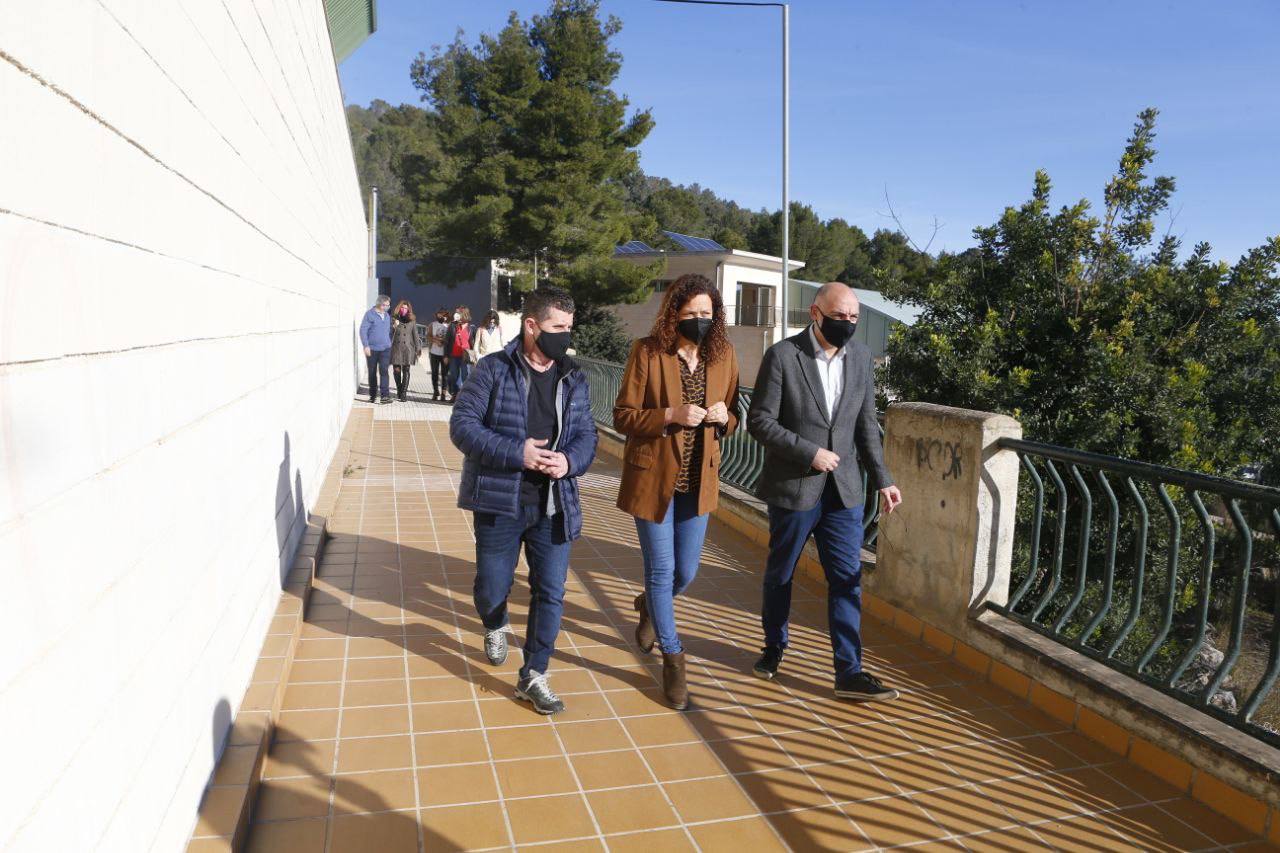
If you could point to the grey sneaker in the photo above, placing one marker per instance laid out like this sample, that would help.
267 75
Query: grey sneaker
534 689
495 646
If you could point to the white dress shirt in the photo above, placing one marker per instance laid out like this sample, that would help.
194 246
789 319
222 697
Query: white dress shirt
830 372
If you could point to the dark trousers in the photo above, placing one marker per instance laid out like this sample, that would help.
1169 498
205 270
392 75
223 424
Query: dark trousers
459 370
379 366
498 541
439 375
837 529
402 379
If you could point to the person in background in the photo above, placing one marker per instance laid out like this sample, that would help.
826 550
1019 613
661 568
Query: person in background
523 422
405 346
814 410
375 336
458 343
489 336
677 400
439 367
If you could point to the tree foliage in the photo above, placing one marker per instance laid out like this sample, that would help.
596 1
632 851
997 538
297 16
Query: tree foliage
1096 336
535 146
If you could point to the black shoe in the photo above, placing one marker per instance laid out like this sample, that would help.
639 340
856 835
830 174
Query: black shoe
863 687
385 400
373 399
767 666
535 690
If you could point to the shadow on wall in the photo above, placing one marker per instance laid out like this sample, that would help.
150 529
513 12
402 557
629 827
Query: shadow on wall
291 512
221 728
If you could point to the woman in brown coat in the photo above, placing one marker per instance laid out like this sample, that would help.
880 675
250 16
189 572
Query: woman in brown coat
677 401
405 346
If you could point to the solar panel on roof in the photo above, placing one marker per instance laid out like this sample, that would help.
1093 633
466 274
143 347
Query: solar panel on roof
633 247
694 244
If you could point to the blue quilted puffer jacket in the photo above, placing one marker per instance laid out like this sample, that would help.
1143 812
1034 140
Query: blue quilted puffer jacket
489 426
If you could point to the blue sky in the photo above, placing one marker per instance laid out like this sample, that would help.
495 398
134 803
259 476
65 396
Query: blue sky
951 106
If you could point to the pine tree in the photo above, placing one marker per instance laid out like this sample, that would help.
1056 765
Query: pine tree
536 147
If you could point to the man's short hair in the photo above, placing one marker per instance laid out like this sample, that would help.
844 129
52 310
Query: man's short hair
381 299
539 303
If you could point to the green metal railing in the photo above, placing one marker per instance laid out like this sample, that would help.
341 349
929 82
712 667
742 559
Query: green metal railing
741 456
1134 569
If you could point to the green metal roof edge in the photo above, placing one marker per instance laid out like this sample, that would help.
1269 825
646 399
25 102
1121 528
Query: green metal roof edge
351 22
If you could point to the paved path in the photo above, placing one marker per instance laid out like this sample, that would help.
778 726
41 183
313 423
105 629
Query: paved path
398 736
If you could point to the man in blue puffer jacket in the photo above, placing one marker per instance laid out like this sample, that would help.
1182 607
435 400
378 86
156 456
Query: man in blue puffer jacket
523 420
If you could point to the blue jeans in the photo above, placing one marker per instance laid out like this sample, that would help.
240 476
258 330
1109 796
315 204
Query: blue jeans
837 529
379 361
459 370
498 540
672 549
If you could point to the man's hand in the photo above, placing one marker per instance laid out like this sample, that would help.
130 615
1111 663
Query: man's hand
535 458
824 460
717 414
688 415
367 352
558 468
890 497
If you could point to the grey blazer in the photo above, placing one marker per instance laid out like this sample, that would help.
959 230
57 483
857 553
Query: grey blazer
789 417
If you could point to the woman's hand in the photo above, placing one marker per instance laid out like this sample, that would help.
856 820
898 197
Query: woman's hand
688 415
717 414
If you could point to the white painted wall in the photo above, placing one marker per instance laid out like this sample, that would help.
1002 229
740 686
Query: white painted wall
182 263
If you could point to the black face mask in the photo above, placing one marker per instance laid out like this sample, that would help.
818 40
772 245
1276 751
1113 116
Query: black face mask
694 328
554 345
837 332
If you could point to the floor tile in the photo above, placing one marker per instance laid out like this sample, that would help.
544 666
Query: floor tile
295 836
631 809
893 821
709 799
550 819
288 799
471 827
374 792
467 783
682 761
611 769
535 777
390 832
450 748
735 836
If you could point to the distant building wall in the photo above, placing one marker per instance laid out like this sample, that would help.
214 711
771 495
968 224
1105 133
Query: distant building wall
182 265
476 293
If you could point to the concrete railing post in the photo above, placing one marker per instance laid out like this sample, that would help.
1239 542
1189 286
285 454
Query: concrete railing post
947 549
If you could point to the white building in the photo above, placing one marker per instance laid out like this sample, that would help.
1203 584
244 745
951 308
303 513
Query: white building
182 267
749 283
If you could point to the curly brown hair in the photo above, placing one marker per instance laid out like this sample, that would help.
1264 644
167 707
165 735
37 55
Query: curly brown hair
663 337
395 312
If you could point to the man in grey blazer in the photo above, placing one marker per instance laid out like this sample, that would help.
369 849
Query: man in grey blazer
814 410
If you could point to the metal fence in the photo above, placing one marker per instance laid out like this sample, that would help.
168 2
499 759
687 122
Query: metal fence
741 456
1143 567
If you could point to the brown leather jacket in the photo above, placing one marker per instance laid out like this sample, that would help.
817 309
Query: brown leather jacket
650 385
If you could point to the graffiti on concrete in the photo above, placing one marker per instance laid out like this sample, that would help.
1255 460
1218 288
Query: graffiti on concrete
944 456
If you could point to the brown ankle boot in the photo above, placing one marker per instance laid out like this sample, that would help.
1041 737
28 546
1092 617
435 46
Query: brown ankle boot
673 680
645 635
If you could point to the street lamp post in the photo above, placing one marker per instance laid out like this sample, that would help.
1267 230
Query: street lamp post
786 136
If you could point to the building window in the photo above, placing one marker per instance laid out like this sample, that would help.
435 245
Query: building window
384 285
755 306
506 297
660 284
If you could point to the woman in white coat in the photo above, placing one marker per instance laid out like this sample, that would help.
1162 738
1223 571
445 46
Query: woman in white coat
489 336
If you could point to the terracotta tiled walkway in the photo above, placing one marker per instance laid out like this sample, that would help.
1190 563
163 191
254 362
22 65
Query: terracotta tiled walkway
398 736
